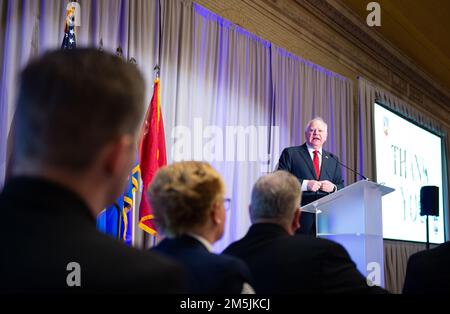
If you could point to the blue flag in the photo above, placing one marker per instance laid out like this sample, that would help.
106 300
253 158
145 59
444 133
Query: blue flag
109 221
69 40
118 219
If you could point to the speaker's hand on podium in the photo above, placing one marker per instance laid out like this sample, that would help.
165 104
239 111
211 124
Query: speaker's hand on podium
327 186
313 185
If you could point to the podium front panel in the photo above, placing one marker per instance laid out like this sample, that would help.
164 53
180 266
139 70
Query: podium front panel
364 251
353 218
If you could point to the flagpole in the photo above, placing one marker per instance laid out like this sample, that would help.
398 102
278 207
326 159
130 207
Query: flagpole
119 220
156 69
153 156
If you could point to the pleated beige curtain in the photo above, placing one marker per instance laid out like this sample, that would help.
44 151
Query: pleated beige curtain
19 31
216 99
302 91
396 255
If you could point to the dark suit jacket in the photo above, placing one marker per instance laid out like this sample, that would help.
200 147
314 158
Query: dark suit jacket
45 227
297 161
428 271
280 263
209 272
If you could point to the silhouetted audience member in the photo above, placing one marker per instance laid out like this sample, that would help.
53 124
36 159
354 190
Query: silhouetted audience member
428 271
281 262
188 204
77 121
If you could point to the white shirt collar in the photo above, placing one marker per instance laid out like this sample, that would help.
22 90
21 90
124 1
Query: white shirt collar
202 240
311 150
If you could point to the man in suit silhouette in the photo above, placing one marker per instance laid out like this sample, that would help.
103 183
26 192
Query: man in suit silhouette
282 262
318 170
188 203
77 121
428 271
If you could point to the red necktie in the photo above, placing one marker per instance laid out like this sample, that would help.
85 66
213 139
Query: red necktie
316 163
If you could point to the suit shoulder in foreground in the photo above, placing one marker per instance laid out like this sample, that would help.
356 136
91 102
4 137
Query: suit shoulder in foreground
428 271
49 227
208 272
280 263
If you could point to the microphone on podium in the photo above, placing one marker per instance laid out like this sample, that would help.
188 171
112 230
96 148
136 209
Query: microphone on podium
354 171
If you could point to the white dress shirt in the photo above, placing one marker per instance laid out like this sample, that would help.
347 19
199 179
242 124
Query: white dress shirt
311 154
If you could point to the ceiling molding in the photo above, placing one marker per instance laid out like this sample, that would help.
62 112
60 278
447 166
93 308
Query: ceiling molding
335 14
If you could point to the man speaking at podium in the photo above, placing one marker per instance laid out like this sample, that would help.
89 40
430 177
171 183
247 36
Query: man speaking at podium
318 171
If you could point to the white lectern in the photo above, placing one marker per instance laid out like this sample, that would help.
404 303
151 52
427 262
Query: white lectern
353 217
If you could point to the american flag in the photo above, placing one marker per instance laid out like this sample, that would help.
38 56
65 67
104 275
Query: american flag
69 40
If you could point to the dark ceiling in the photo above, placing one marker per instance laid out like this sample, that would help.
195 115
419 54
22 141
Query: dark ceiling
419 28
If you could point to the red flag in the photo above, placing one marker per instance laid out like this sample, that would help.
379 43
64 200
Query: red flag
152 155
